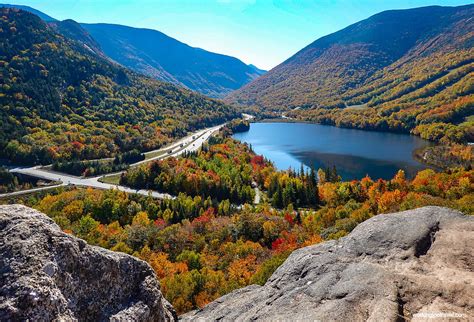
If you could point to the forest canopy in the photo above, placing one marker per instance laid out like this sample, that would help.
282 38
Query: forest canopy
202 249
400 70
61 102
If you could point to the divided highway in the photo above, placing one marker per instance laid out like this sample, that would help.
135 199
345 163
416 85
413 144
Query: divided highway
189 143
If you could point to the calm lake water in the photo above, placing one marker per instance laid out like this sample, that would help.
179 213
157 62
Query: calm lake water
355 153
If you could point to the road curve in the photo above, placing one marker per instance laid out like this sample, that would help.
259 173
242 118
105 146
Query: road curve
190 143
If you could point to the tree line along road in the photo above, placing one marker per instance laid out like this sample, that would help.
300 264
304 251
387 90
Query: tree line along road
189 143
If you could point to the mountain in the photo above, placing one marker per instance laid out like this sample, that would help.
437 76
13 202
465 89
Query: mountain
391 267
396 69
40 14
73 30
68 28
155 54
257 70
61 101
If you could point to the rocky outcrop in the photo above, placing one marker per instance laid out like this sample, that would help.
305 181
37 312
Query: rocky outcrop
410 265
49 275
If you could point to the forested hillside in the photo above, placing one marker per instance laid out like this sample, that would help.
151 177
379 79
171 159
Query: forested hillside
203 247
396 71
40 14
60 101
72 30
152 53
155 54
223 170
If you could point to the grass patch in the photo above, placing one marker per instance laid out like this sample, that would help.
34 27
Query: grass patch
112 179
154 154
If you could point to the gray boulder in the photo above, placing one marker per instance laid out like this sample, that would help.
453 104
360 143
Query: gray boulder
47 274
415 265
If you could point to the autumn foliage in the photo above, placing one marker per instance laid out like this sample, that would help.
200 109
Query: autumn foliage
200 254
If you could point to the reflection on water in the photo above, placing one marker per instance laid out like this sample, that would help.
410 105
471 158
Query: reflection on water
355 153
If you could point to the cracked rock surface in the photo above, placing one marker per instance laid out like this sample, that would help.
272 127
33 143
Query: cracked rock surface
390 268
46 274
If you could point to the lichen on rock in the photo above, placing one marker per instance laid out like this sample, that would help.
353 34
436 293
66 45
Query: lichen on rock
47 274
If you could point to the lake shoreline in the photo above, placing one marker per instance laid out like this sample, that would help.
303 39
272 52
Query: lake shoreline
354 152
292 120
416 152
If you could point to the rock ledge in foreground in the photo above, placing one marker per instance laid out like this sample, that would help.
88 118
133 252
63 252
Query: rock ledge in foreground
390 268
49 275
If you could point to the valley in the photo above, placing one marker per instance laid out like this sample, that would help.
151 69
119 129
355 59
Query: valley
157 55
203 243
185 145
398 71
145 179
355 153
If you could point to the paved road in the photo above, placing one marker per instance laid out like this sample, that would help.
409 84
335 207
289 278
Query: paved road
76 181
188 140
189 144
21 192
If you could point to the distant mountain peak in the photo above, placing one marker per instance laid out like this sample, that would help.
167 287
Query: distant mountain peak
157 55
333 70
154 54
40 14
258 70
73 30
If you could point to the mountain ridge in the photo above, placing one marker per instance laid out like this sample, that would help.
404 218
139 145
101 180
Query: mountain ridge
405 71
150 52
352 54
62 101
73 30
34 11
153 53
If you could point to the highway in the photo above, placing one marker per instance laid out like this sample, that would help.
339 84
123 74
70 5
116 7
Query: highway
189 143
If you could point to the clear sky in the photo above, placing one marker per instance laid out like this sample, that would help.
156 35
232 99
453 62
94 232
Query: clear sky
260 32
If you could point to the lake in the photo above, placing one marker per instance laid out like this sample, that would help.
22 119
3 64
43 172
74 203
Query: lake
355 153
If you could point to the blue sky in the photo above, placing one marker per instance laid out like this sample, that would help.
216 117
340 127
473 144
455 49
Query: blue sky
260 32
